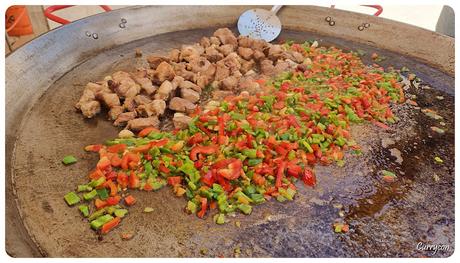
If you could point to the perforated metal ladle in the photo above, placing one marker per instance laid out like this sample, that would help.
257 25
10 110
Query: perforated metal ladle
260 23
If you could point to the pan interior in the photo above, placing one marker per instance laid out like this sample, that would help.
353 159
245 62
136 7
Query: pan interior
385 219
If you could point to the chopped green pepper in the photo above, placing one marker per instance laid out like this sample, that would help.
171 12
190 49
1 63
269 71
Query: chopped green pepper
90 195
72 198
69 159
84 209
103 193
100 221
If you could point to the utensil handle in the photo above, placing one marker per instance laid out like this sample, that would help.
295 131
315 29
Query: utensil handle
276 8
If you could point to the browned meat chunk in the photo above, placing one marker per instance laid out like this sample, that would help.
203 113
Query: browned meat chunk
200 64
142 99
280 67
231 62
182 105
247 65
221 94
181 121
129 104
297 57
266 67
255 44
146 85
226 36
202 81
177 81
258 55
205 42
94 87
89 109
276 52
215 41
190 95
125 85
226 49
87 96
124 117
189 85
174 55
154 60
244 41
164 91
230 83
221 72
190 52
142 123
154 108
212 54
245 52
109 99
249 85
180 69
164 72
115 111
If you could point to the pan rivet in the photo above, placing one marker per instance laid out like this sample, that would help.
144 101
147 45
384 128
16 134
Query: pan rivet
328 19
95 36
122 25
124 21
366 25
360 28
88 34
332 23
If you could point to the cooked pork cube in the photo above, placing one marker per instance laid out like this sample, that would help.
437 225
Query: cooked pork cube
142 123
124 117
181 105
181 121
89 109
190 95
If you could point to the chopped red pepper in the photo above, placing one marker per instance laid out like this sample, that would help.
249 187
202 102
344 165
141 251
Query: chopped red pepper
174 180
110 225
204 206
130 200
133 180
113 200
309 177
117 148
280 174
201 150
147 131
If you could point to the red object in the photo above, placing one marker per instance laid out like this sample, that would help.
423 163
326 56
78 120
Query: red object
204 206
134 181
110 225
93 148
208 178
122 179
130 200
147 131
103 163
116 148
113 200
17 21
203 150
308 177
233 171
173 180
280 174
99 203
49 13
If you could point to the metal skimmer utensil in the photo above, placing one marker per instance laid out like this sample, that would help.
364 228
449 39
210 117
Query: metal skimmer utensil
260 23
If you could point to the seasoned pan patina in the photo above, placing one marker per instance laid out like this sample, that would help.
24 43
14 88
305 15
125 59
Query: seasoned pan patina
385 219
